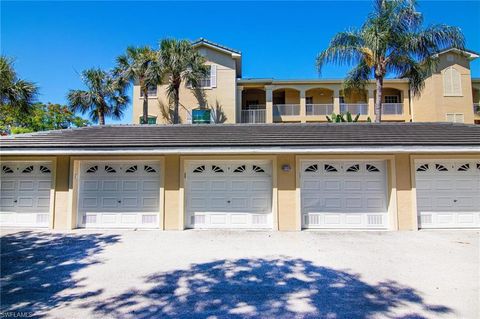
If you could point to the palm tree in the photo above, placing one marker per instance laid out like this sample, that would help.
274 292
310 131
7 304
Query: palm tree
104 97
180 62
140 66
391 41
14 92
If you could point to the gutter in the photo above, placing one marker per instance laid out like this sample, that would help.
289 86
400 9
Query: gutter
251 151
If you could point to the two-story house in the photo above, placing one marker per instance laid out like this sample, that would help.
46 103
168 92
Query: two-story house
450 95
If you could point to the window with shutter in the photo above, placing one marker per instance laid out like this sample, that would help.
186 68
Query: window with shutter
210 80
213 76
452 82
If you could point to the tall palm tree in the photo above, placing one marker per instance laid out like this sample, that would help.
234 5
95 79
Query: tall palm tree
105 96
391 41
180 62
140 66
14 92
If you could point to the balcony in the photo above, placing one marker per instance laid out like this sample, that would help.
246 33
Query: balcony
392 108
319 109
358 108
254 116
286 109
476 108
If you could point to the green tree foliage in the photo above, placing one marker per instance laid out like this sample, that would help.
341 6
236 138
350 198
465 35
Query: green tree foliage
41 117
140 66
105 96
391 41
344 118
180 62
14 92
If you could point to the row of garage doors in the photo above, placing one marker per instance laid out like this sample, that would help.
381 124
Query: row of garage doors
239 194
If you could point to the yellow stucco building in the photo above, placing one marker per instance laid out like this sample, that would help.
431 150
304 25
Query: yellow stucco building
288 174
450 95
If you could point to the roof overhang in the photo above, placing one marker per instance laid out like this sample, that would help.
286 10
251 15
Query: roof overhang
234 54
468 53
245 150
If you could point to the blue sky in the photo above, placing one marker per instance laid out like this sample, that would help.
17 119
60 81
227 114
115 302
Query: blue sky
52 42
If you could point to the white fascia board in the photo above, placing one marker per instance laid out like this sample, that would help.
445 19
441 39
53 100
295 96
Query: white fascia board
249 150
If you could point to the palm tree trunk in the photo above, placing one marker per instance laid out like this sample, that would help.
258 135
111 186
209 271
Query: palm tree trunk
176 99
101 118
378 101
145 105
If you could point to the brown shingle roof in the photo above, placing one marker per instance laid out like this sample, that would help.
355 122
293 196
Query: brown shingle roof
245 135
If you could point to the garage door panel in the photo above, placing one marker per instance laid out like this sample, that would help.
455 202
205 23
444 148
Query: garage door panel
352 185
130 186
453 201
228 194
109 186
264 185
150 203
26 185
341 194
25 194
353 202
43 202
332 185
218 185
119 194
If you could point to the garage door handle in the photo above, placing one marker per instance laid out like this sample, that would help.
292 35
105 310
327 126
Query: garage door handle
454 200
15 201
228 201
119 201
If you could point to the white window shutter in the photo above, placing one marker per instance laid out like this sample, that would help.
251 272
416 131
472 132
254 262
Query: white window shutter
447 82
456 83
452 82
450 117
213 76
459 118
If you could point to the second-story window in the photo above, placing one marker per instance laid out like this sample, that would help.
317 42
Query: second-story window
209 81
152 91
452 82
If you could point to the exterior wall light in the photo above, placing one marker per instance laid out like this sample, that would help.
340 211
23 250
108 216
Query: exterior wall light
286 167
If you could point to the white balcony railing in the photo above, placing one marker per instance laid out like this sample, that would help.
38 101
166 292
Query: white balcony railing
253 116
358 108
392 108
286 109
319 109
476 108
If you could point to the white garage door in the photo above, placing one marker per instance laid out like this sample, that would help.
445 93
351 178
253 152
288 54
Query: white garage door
119 194
448 193
25 194
344 194
229 194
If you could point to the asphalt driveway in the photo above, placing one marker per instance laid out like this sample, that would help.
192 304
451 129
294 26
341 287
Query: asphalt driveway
218 274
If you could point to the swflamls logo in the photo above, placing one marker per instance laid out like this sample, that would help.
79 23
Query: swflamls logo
16 314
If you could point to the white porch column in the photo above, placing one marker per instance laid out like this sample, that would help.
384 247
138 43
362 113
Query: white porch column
371 103
303 106
269 104
238 109
406 105
336 101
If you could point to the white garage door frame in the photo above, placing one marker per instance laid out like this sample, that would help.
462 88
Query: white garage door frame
52 161
390 183
78 162
187 161
416 160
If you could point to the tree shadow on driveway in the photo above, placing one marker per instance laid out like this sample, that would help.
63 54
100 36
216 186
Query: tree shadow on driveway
264 288
37 269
